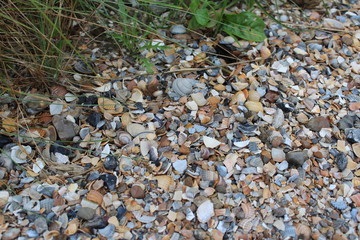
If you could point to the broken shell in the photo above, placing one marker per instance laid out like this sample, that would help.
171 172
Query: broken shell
107 105
20 154
95 196
85 67
124 138
303 231
183 86
164 181
246 225
35 104
137 95
211 142
205 211
249 210
208 175
122 95
135 129
126 163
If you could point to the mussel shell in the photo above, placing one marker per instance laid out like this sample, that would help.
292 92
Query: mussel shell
85 67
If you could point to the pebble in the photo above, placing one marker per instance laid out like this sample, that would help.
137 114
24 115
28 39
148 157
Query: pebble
94 118
56 107
278 154
353 135
315 46
341 161
199 98
86 213
296 158
66 129
228 40
137 191
111 162
178 29
282 166
254 106
279 212
346 122
109 180
317 123
279 117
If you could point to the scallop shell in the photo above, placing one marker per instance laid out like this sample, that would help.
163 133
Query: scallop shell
183 86
303 231
95 196
249 210
246 225
124 138
85 67
109 106
164 181
339 205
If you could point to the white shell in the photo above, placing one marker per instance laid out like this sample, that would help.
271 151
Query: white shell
18 155
211 142
183 86
205 211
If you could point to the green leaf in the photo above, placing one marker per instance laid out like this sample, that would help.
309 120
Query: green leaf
194 5
245 25
202 16
193 24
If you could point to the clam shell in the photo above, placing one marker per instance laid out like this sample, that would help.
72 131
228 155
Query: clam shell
95 196
303 231
246 225
137 95
124 138
183 86
135 129
211 142
208 175
205 211
164 181
249 210
122 95
107 105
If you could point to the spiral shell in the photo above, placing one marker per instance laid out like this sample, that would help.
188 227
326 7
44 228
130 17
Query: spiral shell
124 138
183 86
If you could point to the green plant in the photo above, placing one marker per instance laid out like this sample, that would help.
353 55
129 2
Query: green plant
245 25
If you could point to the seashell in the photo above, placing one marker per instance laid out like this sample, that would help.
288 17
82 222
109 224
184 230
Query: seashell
153 154
211 142
126 163
72 227
208 175
51 133
205 211
137 95
109 106
132 205
35 104
107 231
144 218
47 204
356 199
58 91
199 98
183 86
249 210
20 154
95 197
135 129
205 153
339 205
51 234
303 231
85 67
164 181
246 225
289 232
247 129
122 95
124 138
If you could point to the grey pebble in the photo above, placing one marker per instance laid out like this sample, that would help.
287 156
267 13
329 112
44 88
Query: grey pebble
296 158
353 135
341 161
346 122
86 213
282 166
178 29
279 212
108 231
315 46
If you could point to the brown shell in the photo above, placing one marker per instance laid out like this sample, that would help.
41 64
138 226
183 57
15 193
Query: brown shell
164 181
109 106
303 231
249 210
95 196
246 225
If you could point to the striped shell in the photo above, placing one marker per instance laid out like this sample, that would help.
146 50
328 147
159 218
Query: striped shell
339 205
249 210
164 181
246 225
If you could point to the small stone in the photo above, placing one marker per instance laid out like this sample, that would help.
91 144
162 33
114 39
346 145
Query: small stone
180 166
111 162
66 129
278 154
314 16
279 117
282 166
94 118
347 40
178 29
317 123
109 180
315 46
353 135
4 197
272 96
191 105
254 106
211 142
11 233
346 122
341 161
86 213
137 191
296 158
41 225
279 212
265 52
354 106
302 118
56 108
